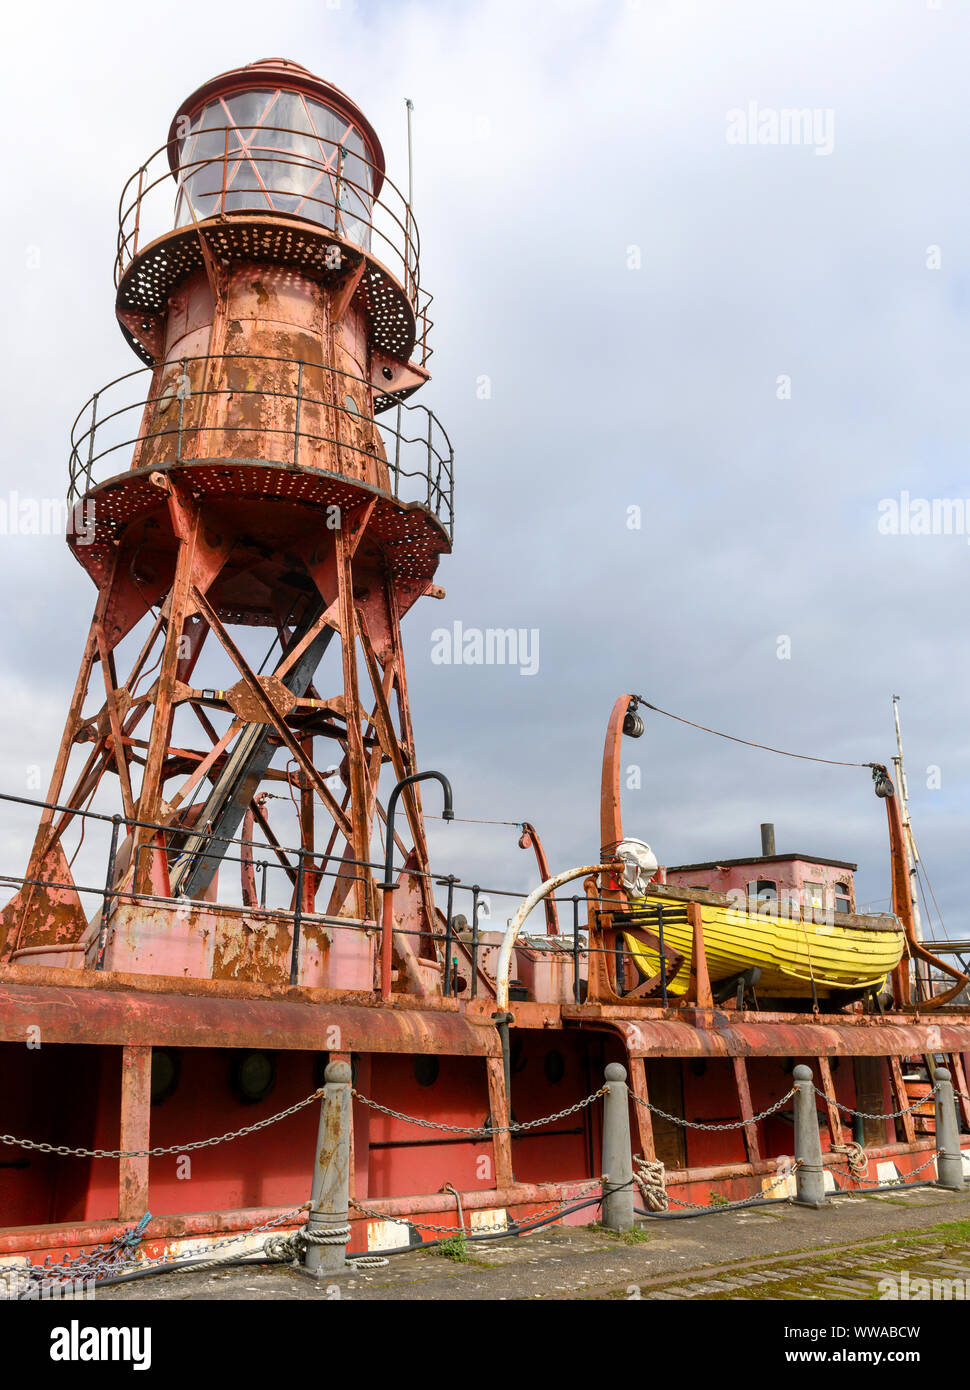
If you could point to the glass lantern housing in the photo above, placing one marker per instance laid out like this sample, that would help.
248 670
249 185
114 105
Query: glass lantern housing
276 151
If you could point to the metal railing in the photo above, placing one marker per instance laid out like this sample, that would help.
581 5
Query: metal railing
320 181
268 409
303 870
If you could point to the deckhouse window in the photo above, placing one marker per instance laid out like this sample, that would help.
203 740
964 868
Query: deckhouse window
762 895
813 894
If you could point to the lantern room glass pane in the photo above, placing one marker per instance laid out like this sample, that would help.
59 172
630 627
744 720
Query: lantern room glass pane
247 110
278 151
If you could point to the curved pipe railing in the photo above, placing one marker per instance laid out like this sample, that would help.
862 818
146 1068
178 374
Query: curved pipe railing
334 190
417 452
388 886
518 921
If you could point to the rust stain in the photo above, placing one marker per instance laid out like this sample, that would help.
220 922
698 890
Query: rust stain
252 948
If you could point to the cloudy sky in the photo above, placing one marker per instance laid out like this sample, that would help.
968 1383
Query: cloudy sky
753 343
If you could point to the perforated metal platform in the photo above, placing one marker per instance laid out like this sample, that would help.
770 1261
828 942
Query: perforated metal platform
147 282
261 497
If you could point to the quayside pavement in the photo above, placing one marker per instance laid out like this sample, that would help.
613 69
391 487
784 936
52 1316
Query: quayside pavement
890 1245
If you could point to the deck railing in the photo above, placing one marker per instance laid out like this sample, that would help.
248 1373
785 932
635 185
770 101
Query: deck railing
273 409
318 181
297 866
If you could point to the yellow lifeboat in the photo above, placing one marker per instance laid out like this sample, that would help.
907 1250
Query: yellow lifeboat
839 952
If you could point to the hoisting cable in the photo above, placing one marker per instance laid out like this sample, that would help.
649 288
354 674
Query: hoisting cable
924 880
805 757
470 820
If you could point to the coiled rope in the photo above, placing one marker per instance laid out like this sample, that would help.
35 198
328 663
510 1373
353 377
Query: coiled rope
650 1176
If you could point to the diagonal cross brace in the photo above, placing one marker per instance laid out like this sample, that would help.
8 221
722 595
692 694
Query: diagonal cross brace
232 792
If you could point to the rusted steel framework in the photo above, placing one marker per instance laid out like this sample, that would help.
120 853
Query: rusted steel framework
278 480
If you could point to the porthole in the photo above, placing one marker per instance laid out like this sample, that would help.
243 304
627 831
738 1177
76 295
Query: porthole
253 1076
351 405
166 1068
554 1066
426 1070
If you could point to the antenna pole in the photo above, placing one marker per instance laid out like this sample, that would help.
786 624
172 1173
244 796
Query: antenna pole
410 105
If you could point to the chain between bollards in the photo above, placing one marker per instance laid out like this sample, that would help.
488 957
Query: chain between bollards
327 1232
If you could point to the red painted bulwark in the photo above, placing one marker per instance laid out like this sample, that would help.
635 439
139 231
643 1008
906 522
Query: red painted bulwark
66 1015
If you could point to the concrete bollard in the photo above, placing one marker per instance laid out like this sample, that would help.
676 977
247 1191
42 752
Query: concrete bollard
810 1174
330 1193
618 1199
949 1160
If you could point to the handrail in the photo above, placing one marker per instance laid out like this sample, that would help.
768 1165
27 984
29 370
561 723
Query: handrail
112 892
425 444
213 836
142 194
388 886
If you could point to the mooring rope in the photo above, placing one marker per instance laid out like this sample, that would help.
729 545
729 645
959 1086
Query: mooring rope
651 1178
855 1157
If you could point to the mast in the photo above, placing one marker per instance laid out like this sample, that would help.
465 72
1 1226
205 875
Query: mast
912 854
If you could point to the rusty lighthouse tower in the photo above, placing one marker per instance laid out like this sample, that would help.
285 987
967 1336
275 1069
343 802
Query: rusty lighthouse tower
266 503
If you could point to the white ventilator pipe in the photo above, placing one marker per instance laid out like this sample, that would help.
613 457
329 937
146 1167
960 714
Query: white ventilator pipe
516 924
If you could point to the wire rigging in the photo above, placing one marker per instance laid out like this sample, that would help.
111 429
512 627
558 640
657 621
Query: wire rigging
749 743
